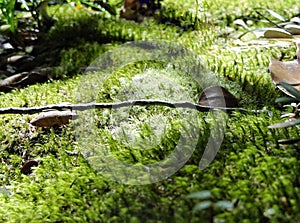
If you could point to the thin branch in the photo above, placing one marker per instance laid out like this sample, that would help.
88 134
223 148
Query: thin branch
269 20
87 106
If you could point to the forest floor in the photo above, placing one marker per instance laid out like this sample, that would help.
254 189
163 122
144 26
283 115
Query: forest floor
141 163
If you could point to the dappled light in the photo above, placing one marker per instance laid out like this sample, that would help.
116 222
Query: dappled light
149 111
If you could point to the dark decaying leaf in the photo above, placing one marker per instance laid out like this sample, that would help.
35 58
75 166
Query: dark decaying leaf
33 78
26 168
285 124
216 96
25 78
293 29
288 141
7 82
53 118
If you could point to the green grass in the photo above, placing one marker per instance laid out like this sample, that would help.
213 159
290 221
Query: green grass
251 169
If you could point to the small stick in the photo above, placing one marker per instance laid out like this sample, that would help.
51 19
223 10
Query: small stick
87 106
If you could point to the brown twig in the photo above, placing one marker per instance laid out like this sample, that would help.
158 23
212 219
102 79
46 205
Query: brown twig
87 106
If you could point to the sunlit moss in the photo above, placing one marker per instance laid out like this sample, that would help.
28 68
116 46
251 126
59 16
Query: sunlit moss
251 169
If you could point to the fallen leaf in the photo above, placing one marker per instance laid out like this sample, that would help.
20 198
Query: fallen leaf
287 72
53 118
12 79
130 9
26 168
216 96
295 20
285 124
15 58
293 29
298 50
25 78
276 33
288 141
33 78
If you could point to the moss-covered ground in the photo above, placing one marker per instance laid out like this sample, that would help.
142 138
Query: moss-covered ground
251 170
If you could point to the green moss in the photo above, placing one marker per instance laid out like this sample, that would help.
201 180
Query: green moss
251 169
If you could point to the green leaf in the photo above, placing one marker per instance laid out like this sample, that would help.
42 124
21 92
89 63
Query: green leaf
286 100
224 204
291 90
284 124
202 205
205 194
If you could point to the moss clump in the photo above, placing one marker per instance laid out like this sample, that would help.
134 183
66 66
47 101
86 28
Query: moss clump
251 170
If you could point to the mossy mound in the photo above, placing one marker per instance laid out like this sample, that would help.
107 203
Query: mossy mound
251 170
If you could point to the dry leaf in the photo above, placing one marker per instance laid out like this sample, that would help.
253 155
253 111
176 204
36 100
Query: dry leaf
53 118
285 124
216 96
288 72
295 20
276 33
298 50
288 141
293 29
12 79
130 9
33 77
